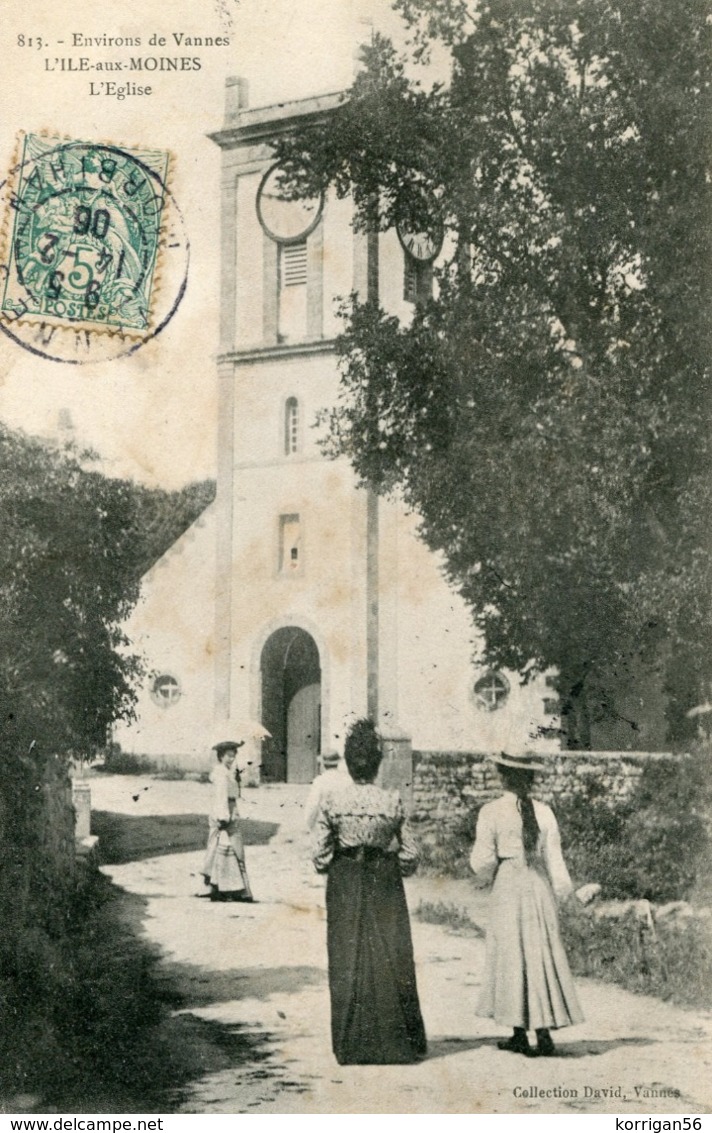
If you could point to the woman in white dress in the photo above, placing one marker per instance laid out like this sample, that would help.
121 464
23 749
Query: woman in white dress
224 868
527 982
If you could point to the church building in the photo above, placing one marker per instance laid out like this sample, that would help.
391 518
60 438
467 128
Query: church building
300 601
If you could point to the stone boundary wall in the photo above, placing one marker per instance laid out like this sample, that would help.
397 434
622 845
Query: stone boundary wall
36 843
448 786
58 821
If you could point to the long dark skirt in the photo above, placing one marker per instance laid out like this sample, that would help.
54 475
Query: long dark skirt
375 1013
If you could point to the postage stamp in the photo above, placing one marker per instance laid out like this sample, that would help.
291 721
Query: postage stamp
91 237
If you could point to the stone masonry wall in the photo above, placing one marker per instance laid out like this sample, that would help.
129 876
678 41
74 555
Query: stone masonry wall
448 786
36 844
56 836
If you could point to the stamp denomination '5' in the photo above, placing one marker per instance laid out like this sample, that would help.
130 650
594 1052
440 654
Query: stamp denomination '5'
85 235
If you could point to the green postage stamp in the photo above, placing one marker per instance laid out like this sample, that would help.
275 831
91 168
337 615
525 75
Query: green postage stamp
82 236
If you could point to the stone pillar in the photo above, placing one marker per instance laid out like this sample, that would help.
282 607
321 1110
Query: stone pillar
251 764
315 282
396 771
372 605
372 513
236 95
388 718
270 285
81 798
224 535
237 98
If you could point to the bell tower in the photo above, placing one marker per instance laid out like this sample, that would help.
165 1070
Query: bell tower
307 571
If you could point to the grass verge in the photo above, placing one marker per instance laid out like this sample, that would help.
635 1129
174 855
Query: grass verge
673 963
82 1011
449 915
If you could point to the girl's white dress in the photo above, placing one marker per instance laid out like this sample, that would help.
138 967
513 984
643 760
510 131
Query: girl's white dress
221 866
527 980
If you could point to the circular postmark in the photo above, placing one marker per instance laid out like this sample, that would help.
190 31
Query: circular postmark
94 253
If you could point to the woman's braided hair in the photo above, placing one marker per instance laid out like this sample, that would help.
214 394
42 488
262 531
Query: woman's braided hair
520 781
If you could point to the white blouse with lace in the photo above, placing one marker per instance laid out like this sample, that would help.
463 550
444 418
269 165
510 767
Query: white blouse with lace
362 814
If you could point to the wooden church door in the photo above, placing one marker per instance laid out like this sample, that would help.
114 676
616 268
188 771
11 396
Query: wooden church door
303 733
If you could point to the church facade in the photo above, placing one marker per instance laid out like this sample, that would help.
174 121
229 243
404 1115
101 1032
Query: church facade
322 604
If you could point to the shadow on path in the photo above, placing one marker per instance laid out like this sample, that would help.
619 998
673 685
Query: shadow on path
202 1047
455 1044
213 1054
199 987
584 1047
128 838
220 1056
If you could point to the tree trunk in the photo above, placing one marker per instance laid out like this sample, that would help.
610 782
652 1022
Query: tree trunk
575 717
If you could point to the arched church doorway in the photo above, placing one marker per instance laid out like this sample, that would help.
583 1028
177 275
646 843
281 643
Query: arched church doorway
291 706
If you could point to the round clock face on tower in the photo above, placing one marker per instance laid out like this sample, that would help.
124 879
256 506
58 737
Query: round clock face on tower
421 245
285 220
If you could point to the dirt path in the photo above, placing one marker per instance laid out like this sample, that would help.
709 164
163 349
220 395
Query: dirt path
260 972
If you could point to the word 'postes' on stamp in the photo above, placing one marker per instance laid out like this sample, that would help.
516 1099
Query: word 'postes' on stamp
89 233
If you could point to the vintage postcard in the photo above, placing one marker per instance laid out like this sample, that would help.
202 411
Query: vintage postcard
334 816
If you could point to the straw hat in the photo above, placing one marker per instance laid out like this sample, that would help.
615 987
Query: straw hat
523 762
227 745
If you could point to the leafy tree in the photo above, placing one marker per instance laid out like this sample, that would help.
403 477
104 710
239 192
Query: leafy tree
74 545
546 412
73 550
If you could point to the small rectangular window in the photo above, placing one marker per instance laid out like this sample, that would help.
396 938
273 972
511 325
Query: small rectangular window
291 426
290 554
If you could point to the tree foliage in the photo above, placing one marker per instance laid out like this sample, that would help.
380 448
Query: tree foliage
656 843
161 517
73 550
546 413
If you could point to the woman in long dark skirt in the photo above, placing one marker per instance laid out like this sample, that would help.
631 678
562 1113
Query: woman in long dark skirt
363 843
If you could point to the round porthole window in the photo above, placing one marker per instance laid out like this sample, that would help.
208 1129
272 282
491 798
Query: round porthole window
284 218
490 691
165 690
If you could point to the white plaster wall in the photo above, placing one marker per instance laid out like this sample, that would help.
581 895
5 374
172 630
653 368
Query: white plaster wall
172 628
318 598
338 260
249 290
426 647
261 390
